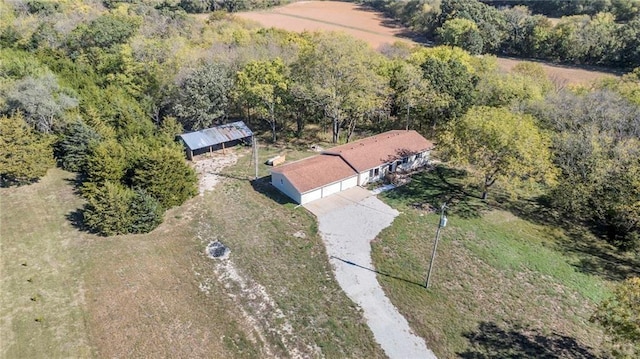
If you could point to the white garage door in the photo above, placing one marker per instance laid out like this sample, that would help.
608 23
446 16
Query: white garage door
330 189
349 183
311 196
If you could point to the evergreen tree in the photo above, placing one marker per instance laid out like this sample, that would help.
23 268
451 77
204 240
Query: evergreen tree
165 175
107 209
72 149
25 154
145 211
106 162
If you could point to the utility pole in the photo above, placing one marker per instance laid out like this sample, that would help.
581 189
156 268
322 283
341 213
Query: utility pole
442 224
255 153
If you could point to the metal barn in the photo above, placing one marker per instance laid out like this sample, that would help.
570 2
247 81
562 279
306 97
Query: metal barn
215 138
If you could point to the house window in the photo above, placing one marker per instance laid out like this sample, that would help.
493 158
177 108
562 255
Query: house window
376 172
281 181
405 160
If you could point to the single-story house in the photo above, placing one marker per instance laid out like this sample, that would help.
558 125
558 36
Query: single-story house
353 164
215 138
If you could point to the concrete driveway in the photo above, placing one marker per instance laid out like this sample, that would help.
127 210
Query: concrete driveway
348 221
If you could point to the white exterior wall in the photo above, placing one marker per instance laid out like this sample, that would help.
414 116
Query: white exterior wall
415 161
311 196
329 190
282 183
363 178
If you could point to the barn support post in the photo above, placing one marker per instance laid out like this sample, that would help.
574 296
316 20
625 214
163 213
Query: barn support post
223 151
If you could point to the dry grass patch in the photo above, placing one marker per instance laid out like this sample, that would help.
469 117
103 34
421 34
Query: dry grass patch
43 304
158 294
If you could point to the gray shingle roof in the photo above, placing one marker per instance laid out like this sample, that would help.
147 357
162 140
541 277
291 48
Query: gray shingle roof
216 135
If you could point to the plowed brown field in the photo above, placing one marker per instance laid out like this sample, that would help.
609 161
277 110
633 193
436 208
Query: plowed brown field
372 27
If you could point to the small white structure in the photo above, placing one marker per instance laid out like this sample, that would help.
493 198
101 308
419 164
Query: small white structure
353 164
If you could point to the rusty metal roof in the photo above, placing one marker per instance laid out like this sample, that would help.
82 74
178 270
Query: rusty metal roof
216 135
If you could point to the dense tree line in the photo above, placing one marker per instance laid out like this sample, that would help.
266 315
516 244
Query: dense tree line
623 10
107 89
601 33
203 6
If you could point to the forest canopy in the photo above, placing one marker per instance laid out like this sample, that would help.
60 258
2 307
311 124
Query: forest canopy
104 87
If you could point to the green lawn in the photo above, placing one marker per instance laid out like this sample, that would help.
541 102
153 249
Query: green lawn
502 286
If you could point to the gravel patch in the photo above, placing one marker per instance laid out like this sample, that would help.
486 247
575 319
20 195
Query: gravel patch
347 232
208 168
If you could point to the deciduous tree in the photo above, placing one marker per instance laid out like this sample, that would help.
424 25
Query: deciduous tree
337 73
498 145
619 315
203 97
463 33
263 85
41 100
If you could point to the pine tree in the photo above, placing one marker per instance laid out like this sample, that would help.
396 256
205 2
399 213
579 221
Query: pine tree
145 211
25 154
165 175
73 148
107 209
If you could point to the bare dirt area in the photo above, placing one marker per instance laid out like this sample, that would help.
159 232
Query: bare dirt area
368 25
559 74
208 168
374 28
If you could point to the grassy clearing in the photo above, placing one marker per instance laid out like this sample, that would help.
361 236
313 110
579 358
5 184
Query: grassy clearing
158 295
502 286
42 308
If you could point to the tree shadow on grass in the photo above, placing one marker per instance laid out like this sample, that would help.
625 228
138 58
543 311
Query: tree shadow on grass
491 341
595 256
437 186
263 186
76 218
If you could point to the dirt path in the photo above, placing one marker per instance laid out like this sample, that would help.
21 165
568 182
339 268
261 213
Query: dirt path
347 227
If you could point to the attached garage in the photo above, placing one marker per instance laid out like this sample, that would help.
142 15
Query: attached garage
328 190
350 165
314 178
